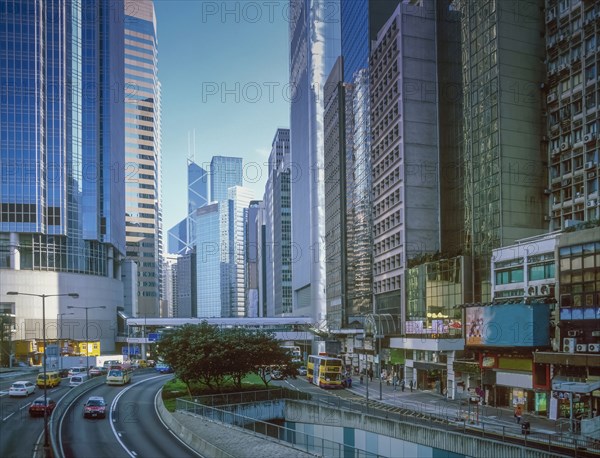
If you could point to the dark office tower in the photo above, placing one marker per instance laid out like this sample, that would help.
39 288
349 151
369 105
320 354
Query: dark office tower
572 101
314 47
336 227
501 156
225 172
360 22
142 153
278 230
252 258
62 192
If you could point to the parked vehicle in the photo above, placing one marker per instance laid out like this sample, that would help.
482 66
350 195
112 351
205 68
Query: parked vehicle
302 370
21 388
38 406
95 407
50 379
77 380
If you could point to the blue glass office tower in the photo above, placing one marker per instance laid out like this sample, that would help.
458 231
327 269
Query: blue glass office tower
62 194
181 236
225 172
360 22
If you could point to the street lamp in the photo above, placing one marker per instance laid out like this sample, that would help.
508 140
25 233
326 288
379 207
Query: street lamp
60 315
87 340
44 296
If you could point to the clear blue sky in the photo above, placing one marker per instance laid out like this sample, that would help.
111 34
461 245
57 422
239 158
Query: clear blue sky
223 66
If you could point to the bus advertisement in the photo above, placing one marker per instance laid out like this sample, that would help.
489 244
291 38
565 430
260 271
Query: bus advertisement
324 371
119 374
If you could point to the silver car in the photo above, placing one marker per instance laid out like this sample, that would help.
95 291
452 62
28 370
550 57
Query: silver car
21 388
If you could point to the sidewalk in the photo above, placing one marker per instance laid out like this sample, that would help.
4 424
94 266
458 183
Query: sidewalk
436 404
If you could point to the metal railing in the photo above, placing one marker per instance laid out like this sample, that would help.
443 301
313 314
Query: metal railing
461 418
285 436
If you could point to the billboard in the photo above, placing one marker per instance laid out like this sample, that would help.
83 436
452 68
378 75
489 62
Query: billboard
508 325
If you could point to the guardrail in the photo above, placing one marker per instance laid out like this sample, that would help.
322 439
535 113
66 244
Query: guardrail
416 411
63 405
285 436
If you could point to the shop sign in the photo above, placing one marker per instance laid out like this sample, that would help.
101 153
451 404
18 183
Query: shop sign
488 361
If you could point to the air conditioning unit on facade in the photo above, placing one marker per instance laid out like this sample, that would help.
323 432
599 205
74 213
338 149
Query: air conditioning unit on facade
564 146
546 290
581 348
569 345
589 137
572 333
591 203
532 291
551 97
589 165
594 348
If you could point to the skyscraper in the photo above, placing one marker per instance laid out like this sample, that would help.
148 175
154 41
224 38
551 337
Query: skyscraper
314 47
142 151
500 153
62 193
182 234
278 237
225 172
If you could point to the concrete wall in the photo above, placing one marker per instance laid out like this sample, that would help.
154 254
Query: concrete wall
302 412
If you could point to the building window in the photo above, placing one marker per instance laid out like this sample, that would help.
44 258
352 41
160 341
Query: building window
509 276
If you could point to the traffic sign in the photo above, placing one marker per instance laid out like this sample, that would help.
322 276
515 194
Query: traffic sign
153 336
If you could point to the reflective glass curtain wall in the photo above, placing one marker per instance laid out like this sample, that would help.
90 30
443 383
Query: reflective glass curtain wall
61 135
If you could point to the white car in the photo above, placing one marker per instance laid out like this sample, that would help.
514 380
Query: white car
21 388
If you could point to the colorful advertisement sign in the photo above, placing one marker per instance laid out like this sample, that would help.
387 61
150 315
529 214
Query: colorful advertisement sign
508 325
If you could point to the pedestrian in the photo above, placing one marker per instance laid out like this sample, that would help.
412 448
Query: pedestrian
370 373
349 381
411 386
403 384
518 413
395 381
361 379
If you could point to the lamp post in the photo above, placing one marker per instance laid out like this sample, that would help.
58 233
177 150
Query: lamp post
87 340
60 315
44 296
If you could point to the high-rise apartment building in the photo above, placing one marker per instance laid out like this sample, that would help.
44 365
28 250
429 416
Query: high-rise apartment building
143 216
62 193
572 100
278 228
314 47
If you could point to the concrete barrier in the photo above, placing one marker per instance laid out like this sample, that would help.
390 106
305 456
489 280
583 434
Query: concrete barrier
193 441
312 413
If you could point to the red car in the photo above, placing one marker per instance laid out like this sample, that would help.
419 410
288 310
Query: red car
37 407
95 407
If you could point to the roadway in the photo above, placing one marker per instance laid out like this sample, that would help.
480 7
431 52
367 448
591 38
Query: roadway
131 428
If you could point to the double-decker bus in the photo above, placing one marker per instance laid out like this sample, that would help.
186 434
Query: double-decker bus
324 371
119 374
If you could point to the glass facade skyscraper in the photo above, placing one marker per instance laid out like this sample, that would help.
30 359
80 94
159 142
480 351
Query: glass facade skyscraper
62 193
225 172
142 152
314 47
